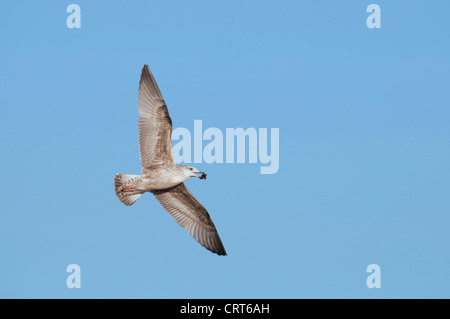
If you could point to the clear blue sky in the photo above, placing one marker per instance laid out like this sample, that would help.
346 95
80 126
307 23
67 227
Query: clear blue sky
364 148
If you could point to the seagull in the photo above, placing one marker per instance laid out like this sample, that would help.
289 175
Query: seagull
160 174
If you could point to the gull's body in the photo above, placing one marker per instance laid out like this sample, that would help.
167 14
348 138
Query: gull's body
160 178
160 174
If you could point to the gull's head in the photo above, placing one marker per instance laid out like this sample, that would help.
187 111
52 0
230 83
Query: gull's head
192 172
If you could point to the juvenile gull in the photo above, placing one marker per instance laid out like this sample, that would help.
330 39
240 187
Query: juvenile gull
160 174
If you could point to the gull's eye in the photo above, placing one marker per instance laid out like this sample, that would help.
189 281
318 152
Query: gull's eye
190 168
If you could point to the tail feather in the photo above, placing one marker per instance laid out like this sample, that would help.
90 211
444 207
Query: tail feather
124 185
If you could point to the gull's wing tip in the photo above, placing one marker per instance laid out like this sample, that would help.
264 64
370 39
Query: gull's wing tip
217 248
145 70
222 253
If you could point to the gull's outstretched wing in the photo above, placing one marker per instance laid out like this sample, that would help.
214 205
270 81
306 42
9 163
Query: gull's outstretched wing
155 125
190 214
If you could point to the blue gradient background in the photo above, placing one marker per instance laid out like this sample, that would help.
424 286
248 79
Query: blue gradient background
364 148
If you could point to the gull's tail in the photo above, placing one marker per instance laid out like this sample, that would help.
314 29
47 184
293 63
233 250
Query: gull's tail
125 186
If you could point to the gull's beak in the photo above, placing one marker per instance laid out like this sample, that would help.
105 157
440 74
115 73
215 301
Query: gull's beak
202 176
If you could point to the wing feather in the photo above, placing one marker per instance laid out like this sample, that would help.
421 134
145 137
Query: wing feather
155 124
187 211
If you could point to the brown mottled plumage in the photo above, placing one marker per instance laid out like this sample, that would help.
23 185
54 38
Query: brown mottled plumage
160 174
